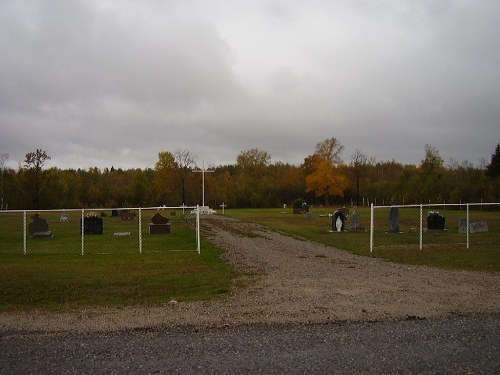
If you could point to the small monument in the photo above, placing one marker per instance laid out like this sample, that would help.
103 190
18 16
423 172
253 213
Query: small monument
435 221
64 217
355 224
338 219
39 227
159 225
300 206
480 226
92 224
394 220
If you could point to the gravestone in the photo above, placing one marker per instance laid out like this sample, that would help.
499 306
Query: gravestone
479 226
39 227
355 224
300 207
92 225
159 225
462 225
394 220
435 221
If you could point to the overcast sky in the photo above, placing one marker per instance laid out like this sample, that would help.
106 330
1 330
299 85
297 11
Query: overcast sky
114 82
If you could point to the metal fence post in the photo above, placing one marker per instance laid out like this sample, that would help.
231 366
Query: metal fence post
82 225
467 225
24 232
371 228
421 228
198 247
140 231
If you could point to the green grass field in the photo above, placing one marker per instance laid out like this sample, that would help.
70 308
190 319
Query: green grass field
58 282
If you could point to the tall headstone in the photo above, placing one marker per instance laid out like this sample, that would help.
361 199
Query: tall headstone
394 220
355 222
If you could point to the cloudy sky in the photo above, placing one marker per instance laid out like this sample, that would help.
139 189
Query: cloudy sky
113 82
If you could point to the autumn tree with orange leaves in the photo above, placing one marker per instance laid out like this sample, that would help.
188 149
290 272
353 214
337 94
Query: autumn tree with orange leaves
324 170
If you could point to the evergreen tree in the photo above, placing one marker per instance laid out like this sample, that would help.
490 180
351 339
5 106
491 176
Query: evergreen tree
493 169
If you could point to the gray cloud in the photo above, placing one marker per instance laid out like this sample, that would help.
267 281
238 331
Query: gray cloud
115 82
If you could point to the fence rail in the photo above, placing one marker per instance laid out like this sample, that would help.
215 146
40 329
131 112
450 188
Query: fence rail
100 231
458 225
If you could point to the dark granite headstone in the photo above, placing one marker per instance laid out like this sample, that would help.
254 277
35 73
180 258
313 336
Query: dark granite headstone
92 225
39 227
435 221
159 225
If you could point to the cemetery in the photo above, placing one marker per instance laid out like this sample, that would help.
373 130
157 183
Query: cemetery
102 232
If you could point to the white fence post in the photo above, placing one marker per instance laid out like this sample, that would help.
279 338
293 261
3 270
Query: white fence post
140 231
371 228
198 247
82 224
467 225
24 232
421 228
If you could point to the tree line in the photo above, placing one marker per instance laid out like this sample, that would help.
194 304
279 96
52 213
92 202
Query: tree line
253 181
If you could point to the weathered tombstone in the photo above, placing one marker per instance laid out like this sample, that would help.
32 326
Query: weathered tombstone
159 225
435 221
39 227
64 217
480 226
394 220
92 225
462 226
355 224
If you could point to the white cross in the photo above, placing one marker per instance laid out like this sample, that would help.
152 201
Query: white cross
203 181
223 205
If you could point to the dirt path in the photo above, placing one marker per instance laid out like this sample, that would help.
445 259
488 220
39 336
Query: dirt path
290 280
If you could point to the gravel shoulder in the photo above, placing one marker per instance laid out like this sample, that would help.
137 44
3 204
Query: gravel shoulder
291 281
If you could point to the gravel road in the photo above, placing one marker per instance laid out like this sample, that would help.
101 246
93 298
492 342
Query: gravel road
305 308
458 345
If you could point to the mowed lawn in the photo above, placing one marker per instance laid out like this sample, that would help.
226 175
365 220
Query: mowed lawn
59 282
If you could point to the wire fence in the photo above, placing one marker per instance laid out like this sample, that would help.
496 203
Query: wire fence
454 225
100 231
